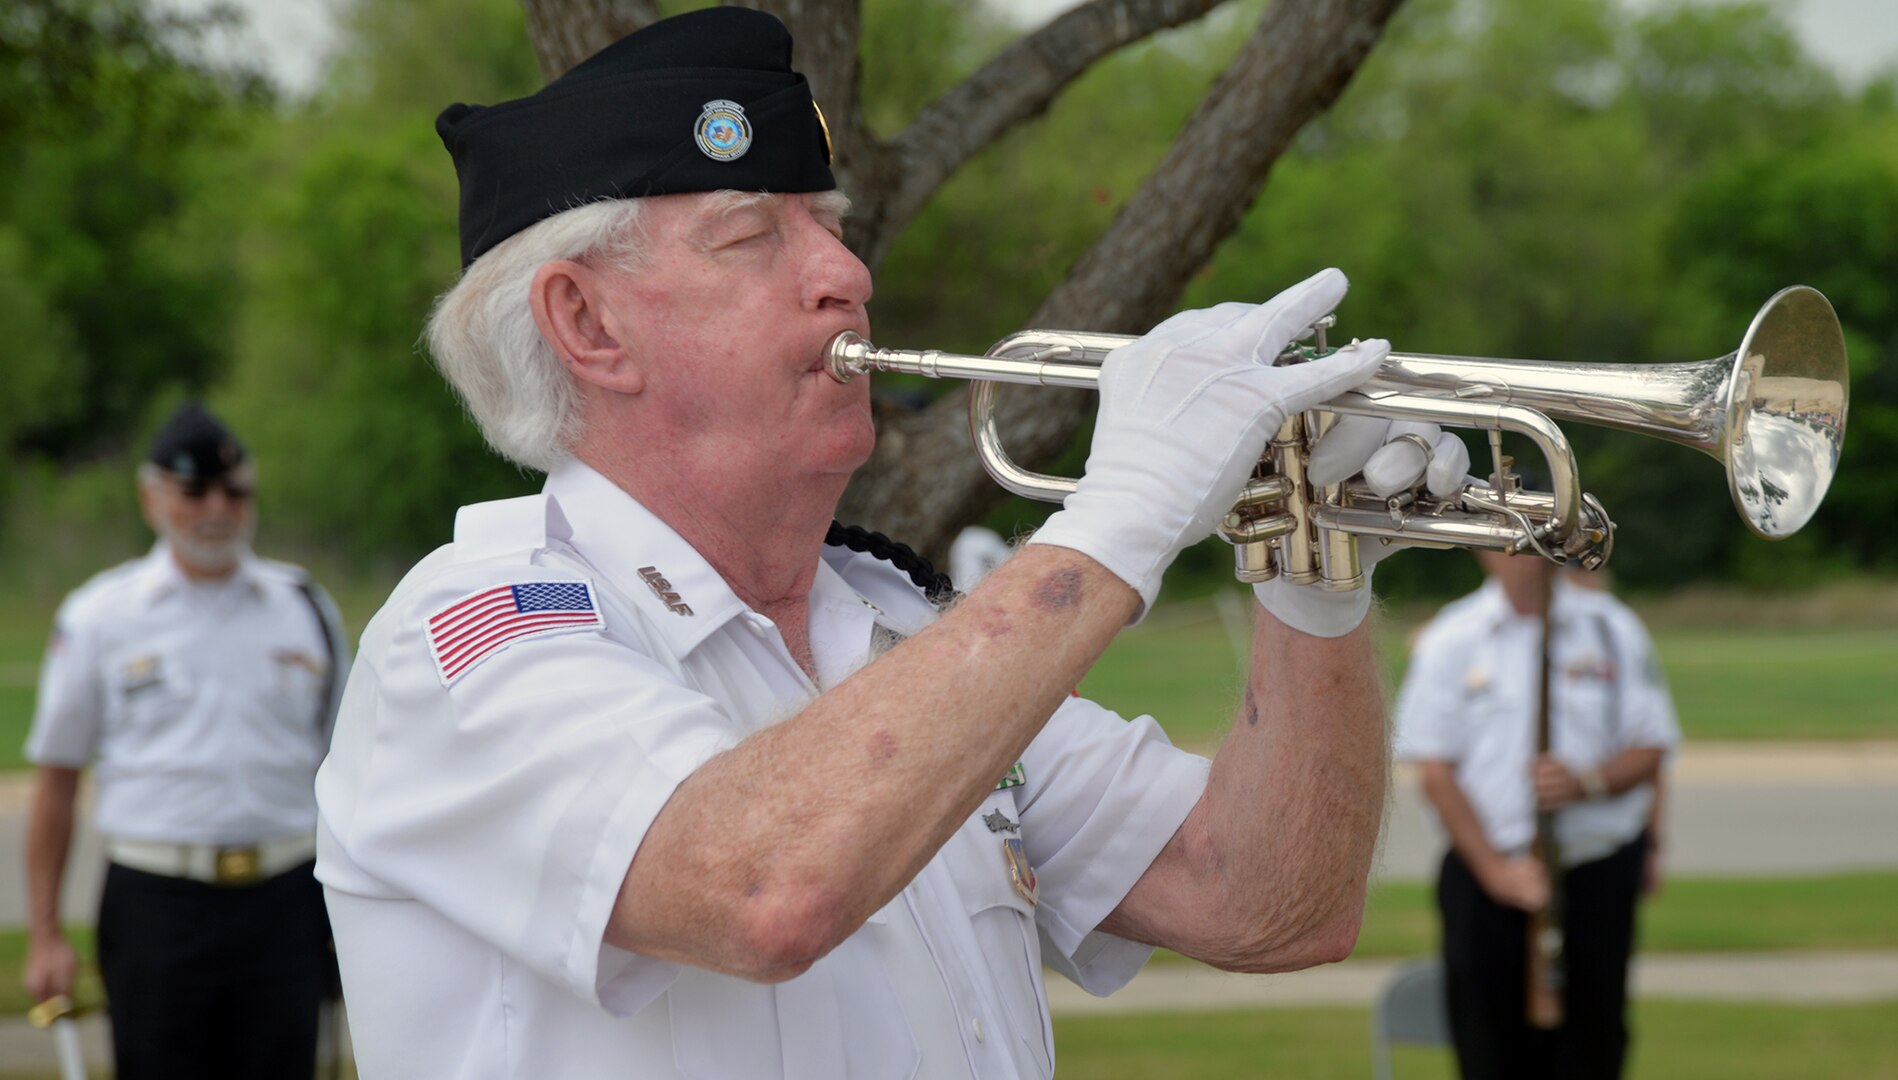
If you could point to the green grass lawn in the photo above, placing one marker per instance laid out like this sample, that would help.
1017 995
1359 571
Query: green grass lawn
1836 911
16 716
1815 684
1729 683
1674 1040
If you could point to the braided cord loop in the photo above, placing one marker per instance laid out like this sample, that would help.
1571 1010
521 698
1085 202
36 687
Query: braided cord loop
936 585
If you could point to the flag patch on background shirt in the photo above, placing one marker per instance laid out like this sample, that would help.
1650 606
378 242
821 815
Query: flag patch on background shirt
483 623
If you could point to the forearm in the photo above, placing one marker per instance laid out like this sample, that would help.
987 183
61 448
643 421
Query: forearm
795 836
1269 871
49 832
1657 811
1631 768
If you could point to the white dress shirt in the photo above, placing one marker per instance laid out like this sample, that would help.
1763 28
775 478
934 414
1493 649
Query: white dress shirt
202 707
479 819
1470 693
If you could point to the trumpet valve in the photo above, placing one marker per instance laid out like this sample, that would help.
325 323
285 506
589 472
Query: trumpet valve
1254 563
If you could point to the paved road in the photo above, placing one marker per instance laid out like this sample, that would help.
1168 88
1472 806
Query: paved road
1736 809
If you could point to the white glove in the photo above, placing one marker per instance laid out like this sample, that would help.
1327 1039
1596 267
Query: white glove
1185 413
1391 462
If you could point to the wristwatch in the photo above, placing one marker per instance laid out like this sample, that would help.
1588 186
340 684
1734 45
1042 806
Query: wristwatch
1594 784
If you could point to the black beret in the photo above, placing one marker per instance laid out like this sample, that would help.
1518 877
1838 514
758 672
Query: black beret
703 101
195 445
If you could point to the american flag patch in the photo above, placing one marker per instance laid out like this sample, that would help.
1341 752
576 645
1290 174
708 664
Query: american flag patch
483 623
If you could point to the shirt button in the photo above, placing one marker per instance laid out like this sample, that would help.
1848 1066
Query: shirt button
980 1035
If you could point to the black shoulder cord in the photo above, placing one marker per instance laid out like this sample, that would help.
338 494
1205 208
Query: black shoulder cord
1618 694
935 585
327 710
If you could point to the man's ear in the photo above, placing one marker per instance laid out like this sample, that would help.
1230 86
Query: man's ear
148 505
568 299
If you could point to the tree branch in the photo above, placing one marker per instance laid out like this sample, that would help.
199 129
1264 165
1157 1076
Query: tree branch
924 480
565 32
1016 85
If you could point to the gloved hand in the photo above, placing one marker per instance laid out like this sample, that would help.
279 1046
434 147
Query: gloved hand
1391 461
1185 413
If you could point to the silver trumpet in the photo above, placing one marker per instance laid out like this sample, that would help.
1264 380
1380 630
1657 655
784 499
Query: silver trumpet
1772 410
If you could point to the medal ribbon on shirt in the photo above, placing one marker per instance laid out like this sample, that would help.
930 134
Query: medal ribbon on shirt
1022 874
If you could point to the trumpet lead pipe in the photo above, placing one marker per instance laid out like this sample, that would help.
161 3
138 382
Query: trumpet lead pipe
849 355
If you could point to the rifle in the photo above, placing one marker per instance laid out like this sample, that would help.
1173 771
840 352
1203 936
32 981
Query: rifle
1546 965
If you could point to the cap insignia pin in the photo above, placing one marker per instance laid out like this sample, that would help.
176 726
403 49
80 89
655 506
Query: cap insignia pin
722 131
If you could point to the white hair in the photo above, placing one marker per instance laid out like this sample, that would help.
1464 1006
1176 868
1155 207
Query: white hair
485 342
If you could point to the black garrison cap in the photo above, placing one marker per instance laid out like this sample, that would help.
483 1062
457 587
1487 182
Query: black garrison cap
699 102
195 445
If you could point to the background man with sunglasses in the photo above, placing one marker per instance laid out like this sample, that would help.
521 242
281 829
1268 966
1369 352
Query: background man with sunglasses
200 685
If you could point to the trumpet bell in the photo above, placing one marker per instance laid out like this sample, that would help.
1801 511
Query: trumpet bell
1785 407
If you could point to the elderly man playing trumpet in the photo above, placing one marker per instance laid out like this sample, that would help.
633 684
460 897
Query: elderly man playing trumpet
640 776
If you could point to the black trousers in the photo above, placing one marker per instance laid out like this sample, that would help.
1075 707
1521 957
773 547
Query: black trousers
1484 952
207 981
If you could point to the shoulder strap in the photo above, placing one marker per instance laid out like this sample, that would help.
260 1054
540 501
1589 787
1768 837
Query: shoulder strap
1620 691
935 585
326 712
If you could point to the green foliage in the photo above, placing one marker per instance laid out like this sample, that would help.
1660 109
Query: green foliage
40 341
1556 179
402 63
107 130
363 447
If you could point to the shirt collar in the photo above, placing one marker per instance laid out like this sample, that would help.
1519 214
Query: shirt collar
842 622
642 556
1497 610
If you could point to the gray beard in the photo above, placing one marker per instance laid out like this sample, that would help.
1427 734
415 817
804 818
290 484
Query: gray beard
209 556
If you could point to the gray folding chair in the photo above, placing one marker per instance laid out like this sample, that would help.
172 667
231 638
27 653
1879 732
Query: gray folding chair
1409 1009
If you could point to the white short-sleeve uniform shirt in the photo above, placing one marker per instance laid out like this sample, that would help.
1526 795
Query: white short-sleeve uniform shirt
203 708
478 818
1469 697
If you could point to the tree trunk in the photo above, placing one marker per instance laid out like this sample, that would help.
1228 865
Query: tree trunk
565 32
